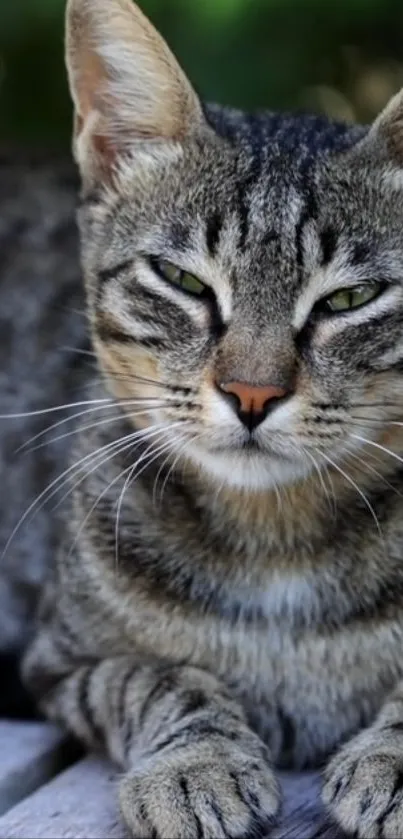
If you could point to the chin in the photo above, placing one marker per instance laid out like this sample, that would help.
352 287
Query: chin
255 471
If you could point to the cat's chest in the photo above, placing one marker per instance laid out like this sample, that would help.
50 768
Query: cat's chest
305 691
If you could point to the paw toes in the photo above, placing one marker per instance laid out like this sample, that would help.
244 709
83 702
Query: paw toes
365 794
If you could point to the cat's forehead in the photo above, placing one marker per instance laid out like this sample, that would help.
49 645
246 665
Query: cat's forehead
263 209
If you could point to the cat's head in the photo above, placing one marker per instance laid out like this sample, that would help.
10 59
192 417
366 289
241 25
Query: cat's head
244 278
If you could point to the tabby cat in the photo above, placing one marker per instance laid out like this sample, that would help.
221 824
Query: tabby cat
228 594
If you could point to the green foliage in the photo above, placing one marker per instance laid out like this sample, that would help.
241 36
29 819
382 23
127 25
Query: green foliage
341 56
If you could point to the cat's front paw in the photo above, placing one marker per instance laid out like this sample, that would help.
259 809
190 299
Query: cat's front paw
364 787
210 796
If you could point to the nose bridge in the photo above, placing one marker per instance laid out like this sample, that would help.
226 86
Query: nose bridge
257 359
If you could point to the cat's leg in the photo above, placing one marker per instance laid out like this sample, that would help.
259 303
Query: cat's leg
194 767
364 781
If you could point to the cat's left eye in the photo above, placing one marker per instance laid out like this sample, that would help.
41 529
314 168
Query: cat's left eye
352 298
175 276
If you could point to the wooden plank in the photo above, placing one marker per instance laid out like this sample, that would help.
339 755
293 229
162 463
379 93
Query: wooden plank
31 753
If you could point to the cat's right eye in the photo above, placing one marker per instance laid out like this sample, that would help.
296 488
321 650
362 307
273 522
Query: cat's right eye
183 279
346 299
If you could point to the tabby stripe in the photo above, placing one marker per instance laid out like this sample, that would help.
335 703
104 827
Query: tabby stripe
124 716
393 804
185 792
107 274
109 333
196 731
328 241
218 814
243 216
360 253
213 232
152 342
166 683
142 294
178 235
398 785
309 212
244 190
84 704
252 797
121 709
160 309
194 700
258 145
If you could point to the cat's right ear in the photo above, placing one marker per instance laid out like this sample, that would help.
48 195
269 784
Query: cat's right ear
125 83
387 130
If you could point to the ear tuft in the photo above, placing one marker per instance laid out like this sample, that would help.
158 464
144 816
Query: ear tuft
125 83
388 127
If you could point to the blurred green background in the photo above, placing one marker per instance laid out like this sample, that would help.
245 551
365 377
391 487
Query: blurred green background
344 57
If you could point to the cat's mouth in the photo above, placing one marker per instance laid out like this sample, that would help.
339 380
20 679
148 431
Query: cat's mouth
251 445
249 464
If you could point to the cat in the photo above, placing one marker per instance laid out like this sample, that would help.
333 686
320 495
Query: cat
227 594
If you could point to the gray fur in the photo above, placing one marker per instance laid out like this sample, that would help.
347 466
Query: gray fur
224 603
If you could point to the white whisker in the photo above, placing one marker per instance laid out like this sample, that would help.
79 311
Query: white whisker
331 499
149 456
112 404
83 523
186 442
357 489
56 484
134 439
368 467
378 446
56 408
97 424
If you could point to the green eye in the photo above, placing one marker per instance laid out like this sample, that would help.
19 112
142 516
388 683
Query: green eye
175 276
352 298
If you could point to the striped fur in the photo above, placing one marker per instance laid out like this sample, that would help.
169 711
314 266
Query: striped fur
227 601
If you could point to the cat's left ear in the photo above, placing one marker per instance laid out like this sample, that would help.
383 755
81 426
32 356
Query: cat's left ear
387 130
125 83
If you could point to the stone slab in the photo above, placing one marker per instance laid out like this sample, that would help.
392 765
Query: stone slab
30 754
81 803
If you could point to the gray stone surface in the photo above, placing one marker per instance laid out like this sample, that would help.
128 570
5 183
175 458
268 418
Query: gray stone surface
30 754
81 803
303 816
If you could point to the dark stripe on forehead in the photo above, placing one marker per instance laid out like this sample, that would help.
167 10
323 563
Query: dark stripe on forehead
328 241
213 232
178 236
255 138
243 220
360 253
309 213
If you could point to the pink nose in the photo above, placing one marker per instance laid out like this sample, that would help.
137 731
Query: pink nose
253 399
252 403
